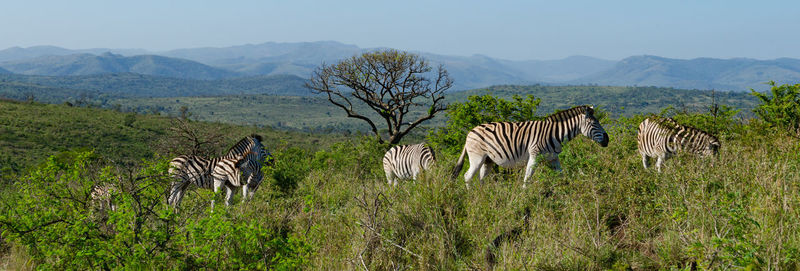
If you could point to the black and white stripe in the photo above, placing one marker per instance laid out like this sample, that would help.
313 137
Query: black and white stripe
251 170
664 137
206 173
103 196
407 161
510 144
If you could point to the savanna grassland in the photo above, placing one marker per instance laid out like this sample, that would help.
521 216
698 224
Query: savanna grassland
325 204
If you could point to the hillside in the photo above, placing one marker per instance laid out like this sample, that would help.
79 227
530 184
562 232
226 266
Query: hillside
316 113
98 88
30 132
4 71
89 64
738 74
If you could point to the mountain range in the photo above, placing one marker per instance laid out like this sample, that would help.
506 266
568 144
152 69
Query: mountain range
468 72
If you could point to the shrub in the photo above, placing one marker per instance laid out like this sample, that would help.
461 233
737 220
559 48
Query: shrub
781 109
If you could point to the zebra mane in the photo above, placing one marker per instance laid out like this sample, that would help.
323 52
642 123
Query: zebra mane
570 113
673 125
245 141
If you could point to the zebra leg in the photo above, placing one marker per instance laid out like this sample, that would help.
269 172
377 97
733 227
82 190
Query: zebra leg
659 161
391 177
554 162
529 169
485 170
644 160
475 163
244 192
228 195
217 185
176 193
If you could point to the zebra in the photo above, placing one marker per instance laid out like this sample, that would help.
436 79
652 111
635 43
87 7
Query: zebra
207 174
664 137
251 171
511 144
407 161
103 196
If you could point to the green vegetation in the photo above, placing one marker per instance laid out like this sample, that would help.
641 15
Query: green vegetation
30 132
782 108
329 207
316 114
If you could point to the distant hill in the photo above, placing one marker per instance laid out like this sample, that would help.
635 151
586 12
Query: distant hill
4 71
88 64
738 74
55 89
468 72
19 53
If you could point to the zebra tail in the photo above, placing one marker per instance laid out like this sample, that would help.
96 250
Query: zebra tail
460 163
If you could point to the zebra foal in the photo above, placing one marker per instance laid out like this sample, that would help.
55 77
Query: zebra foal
510 144
664 137
407 161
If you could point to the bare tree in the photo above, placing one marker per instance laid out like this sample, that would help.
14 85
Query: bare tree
389 82
191 138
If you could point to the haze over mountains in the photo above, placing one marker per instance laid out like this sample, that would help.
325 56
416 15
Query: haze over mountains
300 59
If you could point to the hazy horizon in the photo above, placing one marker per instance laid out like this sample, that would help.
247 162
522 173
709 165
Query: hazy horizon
512 30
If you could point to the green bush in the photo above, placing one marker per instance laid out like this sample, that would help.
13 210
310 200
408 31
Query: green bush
781 109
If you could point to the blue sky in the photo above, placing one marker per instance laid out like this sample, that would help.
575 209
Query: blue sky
517 30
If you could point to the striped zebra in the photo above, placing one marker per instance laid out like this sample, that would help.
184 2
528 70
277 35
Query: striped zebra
103 196
407 161
251 171
208 174
510 144
664 137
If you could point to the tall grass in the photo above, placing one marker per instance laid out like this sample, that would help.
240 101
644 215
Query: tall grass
334 210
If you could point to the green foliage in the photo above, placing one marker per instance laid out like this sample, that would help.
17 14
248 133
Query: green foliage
781 109
478 110
62 227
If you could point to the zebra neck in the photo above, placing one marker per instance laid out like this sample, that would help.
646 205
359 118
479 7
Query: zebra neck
566 130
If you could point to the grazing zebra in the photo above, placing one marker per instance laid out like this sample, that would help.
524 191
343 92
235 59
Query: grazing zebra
102 196
511 144
407 161
251 171
663 137
207 174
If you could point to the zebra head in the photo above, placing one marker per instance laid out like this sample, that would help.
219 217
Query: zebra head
591 128
711 147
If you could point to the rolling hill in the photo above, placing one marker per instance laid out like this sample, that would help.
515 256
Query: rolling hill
468 72
89 64
4 71
736 74
100 87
